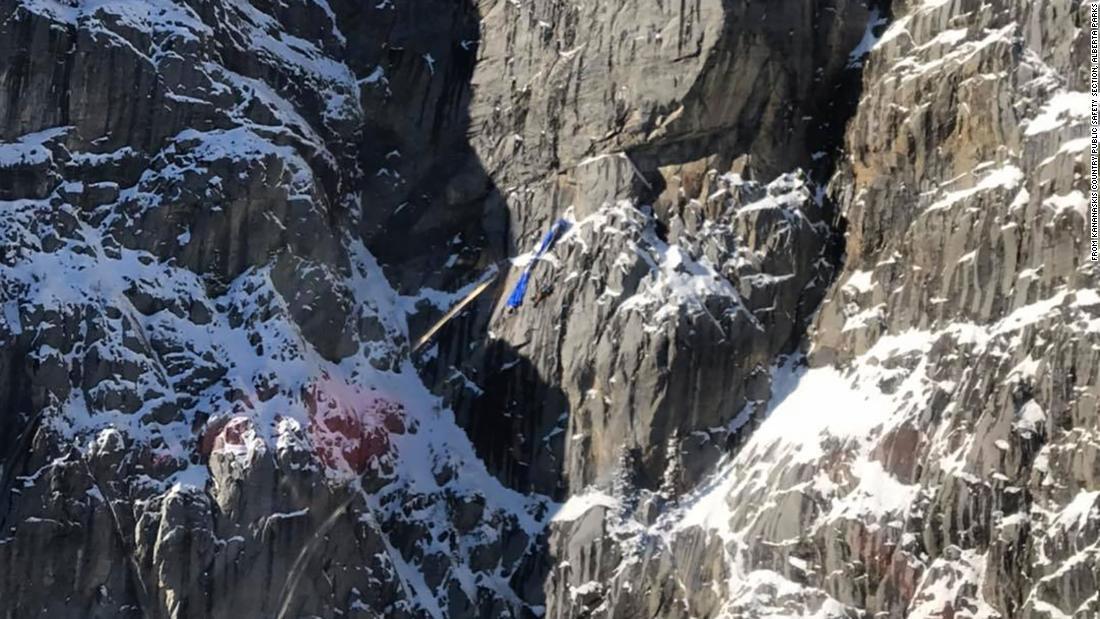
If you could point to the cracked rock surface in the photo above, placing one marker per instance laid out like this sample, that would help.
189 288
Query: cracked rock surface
821 338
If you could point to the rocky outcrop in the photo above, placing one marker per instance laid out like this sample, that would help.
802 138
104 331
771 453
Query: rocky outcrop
819 340
653 328
631 327
207 407
920 466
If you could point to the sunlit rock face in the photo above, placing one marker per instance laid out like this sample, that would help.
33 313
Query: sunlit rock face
934 454
820 337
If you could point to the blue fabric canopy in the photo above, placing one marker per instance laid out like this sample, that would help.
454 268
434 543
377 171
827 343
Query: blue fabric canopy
516 298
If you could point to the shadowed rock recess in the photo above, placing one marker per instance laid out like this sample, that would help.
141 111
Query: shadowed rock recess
822 338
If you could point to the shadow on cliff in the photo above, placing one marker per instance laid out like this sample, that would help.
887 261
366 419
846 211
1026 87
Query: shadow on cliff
434 219
514 416
429 211
786 107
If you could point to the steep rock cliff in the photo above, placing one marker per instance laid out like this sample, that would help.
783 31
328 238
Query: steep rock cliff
937 455
820 339
208 406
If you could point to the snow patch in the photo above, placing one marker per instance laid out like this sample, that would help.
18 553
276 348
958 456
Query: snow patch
1063 108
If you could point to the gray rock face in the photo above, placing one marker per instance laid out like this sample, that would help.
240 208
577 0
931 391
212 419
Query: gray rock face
651 331
659 348
820 339
206 388
673 83
921 467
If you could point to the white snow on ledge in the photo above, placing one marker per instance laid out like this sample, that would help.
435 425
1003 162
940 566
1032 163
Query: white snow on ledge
580 504
812 405
861 281
813 412
149 16
1007 177
28 149
1062 109
869 40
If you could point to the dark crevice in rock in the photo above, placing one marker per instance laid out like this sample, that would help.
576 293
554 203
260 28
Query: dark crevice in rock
419 173
791 114
700 146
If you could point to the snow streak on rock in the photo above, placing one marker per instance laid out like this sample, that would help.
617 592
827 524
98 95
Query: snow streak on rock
209 394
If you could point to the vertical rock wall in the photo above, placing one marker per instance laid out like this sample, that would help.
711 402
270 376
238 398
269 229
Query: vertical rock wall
937 456
820 339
